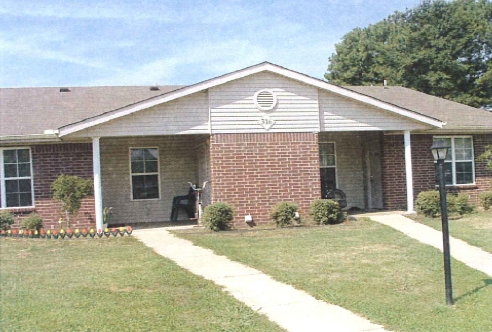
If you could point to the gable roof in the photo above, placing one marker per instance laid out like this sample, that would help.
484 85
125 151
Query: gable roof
456 116
32 111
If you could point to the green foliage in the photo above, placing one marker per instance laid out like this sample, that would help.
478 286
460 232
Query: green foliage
218 216
69 191
428 203
459 204
443 48
284 214
32 223
6 219
107 214
326 211
486 156
486 199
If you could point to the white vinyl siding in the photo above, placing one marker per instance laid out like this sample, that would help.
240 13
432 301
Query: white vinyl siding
233 109
187 115
459 166
16 182
338 113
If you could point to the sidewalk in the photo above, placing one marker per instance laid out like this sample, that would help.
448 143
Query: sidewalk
292 309
474 257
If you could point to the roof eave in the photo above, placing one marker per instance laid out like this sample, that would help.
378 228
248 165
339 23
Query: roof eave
265 66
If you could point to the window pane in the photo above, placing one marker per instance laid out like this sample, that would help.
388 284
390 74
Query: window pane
463 143
326 154
151 166
464 173
137 167
11 186
25 186
137 154
25 199
145 186
24 170
9 157
13 200
150 154
10 170
328 180
463 154
23 156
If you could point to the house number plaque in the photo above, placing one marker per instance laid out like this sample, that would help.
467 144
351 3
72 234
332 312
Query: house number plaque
266 122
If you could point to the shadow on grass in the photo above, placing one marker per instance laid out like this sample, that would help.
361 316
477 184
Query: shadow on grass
486 283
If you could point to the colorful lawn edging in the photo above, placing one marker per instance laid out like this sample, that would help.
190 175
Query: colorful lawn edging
69 233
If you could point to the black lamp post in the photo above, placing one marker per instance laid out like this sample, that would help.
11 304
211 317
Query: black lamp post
439 151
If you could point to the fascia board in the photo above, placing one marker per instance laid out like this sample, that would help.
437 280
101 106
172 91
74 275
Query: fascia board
111 115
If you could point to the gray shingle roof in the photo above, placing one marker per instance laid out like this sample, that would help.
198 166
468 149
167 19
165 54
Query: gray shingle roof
28 111
456 116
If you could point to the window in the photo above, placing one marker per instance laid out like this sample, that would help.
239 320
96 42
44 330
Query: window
459 164
16 178
145 173
327 162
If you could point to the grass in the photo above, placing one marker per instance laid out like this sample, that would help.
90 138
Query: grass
114 284
367 268
475 228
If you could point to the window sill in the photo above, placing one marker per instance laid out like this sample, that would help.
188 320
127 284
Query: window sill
26 209
460 186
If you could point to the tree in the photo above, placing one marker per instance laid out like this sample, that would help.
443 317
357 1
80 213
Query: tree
69 191
440 48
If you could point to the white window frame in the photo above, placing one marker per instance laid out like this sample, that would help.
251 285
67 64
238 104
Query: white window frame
3 201
136 174
453 160
336 159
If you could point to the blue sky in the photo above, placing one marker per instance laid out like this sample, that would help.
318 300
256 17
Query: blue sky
87 43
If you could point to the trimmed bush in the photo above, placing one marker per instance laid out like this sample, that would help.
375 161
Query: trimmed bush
459 204
284 214
32 223
6 219
428 203
218 216
326 211
486 199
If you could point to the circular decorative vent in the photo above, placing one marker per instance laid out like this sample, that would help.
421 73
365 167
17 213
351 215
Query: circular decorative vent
265 100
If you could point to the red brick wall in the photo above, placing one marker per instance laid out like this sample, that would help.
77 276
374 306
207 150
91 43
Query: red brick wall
253 172
49 161
393 160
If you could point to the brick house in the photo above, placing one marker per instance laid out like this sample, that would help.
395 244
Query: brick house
259 135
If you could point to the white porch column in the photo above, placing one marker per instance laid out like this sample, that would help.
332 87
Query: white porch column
96 162
408 170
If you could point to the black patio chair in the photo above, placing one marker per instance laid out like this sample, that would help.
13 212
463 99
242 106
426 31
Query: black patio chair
336 195
184 202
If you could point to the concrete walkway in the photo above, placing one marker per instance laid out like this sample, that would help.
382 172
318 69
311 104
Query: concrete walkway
472 256
292 309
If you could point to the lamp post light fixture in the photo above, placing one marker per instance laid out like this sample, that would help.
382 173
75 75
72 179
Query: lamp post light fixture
439 151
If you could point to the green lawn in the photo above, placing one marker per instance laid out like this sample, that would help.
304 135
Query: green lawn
475 228
367 268
114 284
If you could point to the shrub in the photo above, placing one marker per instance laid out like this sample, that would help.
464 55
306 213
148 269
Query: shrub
428 203
6 219
459 204
217 216
32 223
486 199
284 214
326 211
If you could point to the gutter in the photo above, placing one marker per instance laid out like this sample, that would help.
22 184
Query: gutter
49 136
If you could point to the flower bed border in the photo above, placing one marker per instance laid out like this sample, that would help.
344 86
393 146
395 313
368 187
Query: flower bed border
68 234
